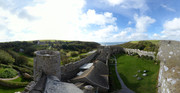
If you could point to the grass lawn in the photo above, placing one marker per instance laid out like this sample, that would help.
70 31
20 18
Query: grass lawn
9 90
129 66
114 82
30 61
19 79
12 90
153 41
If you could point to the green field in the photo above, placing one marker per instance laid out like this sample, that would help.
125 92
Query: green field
12 90
128 66
7 90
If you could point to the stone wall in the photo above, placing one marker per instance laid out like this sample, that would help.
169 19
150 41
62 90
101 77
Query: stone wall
140 52
70 70
47 62
117 50
169 72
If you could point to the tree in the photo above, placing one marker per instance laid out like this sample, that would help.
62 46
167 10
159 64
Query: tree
6 58
21 60
30 51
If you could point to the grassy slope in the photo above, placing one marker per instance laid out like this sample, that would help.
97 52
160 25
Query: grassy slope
129 65
153 41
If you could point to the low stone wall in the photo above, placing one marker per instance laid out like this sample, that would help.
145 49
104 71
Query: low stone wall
70 70
169 72
140 52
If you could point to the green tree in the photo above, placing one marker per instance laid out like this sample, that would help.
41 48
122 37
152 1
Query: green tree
6 58
21 60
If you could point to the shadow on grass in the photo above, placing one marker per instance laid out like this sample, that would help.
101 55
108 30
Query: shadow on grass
113 80
132 86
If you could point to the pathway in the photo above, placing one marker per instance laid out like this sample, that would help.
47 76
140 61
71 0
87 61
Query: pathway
124 88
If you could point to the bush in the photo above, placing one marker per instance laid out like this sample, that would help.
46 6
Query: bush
74 54
19 59
12 84
30 51
7 73
5 66
6 58
142 45
147 57
23 70
82 56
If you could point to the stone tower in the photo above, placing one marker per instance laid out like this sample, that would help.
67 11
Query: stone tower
48 62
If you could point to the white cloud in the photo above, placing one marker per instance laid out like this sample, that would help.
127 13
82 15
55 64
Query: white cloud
143 22
138 36
103 34
129 4
3 36
155 35
54 19
91 17
120 34
137 33
115 2
171 29
168 8
129 23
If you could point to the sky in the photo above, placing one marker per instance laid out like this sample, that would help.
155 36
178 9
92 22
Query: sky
89 20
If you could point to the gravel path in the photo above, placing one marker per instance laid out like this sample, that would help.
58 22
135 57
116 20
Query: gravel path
124 88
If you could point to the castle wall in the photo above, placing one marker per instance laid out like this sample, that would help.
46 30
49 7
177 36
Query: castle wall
140 52
169 72
70 70
47 62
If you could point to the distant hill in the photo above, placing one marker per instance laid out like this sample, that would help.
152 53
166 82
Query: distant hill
110 43
69 49
152 41
146 45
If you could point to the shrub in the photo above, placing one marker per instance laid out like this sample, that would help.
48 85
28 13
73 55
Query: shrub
82 56
5 66
147 57
30 51
74 54
8 73
142 45
6 58
19 59
12 84
23 70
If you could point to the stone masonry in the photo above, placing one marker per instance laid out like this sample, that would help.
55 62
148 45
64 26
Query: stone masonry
48 62
140 52
169 72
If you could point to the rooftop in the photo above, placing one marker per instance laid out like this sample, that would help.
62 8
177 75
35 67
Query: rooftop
86 66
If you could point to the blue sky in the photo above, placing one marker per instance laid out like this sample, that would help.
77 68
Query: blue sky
89 20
